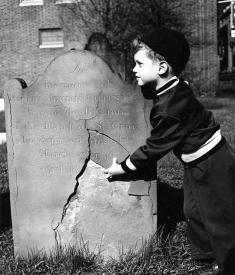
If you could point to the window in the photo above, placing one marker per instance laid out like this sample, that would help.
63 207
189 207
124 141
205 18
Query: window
24 3
2 108
226 36
66 1
51 38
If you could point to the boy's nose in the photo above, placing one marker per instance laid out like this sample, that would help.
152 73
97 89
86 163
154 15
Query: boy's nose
134 69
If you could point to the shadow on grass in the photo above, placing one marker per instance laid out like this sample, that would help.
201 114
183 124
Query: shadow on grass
170 202
5 211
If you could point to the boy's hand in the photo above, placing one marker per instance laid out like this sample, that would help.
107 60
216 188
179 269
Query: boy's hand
114 170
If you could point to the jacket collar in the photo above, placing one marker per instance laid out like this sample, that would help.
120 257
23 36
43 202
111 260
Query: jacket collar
168 85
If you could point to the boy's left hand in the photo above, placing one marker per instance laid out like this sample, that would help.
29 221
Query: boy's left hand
114 170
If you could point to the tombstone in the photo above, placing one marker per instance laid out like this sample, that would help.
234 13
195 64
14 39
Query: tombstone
99 44
61 132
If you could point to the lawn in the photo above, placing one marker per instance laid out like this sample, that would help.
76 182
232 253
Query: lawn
156 257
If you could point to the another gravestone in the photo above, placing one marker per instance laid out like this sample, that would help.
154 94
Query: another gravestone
61 132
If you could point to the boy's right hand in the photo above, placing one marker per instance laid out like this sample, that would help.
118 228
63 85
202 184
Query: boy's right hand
114 170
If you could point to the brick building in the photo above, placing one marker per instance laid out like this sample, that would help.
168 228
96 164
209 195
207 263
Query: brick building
200 23
31 35
33 32
226 42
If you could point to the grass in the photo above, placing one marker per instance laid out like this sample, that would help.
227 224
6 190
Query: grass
157 256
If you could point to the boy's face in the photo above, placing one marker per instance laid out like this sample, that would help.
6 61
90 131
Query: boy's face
146 70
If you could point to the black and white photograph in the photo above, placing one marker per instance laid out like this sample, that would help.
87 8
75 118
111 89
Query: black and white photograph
117 137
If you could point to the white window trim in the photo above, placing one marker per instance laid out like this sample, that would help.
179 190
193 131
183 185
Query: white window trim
51 46
2 106
3 138
24 3
67 1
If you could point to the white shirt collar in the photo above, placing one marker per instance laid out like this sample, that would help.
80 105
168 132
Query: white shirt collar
171 86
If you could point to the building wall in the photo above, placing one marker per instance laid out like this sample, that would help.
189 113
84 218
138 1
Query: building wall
226 46
21 56
200 25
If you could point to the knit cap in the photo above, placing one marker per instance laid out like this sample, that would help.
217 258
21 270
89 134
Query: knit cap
171 44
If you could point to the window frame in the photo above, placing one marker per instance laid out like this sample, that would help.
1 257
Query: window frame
59 2
50 46
26 3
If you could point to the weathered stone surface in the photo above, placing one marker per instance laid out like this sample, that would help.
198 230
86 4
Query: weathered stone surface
105 216
61 132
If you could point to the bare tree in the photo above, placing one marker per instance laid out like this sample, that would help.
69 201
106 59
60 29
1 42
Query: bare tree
120 20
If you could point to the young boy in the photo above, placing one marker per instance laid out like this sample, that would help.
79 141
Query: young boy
180 123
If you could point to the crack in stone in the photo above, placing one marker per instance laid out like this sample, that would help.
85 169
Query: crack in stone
13 153
57 235
79 175
10 111
89 131
96 131
88 158
152 203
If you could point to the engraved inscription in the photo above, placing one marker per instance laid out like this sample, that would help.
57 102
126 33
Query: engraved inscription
60 169
65 85
49 125
58 140
46 153
76 69
109 112
77 112
125 126
26 99
99 157
84 98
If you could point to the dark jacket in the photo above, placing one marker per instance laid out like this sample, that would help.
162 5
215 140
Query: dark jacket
180 123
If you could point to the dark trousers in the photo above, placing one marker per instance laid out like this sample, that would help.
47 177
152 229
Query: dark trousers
209 206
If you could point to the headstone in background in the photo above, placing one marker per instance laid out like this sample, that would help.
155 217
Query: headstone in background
61 132
99 44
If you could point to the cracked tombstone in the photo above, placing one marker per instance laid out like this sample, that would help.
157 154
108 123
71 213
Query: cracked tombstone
61 132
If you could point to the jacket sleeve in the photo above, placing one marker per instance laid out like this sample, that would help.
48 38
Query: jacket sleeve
167 133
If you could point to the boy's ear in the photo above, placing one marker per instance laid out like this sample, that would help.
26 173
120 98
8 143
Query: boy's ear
163 67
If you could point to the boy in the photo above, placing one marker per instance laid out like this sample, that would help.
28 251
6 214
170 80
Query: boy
180 123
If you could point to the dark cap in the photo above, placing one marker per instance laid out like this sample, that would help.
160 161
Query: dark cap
171 44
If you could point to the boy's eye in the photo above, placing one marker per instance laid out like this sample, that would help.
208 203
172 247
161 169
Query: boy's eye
139 64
